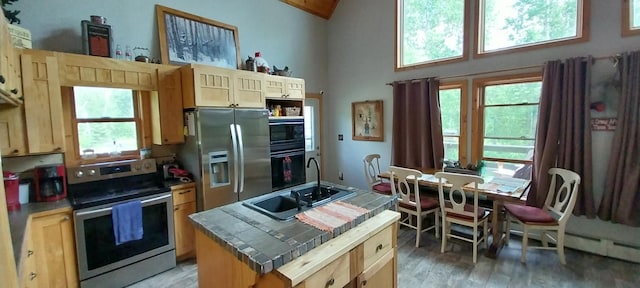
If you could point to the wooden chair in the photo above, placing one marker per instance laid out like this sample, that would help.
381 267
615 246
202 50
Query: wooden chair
371 172
410 202
456 210
553 216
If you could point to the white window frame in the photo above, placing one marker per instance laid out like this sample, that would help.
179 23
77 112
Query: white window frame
627 20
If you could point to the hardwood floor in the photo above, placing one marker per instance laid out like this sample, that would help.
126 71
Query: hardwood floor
427 267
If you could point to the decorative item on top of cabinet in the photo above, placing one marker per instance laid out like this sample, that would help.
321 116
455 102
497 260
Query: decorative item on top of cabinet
184 204
53 246
166 108
43 102
284 87
208 86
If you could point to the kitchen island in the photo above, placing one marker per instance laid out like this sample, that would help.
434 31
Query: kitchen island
239 247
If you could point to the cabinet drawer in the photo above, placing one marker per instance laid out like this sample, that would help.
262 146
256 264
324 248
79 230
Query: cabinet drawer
181 196
380 274
336 274
377 246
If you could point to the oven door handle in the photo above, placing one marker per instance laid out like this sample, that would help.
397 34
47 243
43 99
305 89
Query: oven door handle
109 208
294 152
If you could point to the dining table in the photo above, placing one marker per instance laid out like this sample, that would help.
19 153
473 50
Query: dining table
499 190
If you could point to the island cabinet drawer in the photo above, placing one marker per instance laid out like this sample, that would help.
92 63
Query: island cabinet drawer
336 274
181 196
377 246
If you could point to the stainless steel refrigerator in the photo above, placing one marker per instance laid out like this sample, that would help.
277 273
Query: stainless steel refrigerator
227 151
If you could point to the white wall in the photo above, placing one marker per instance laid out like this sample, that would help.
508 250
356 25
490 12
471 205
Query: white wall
285 35
361 60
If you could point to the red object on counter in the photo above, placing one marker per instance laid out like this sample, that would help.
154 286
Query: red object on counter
50 182
11 184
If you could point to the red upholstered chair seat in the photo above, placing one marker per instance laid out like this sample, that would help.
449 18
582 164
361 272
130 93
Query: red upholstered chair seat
467 208
530 214
383 188
426 203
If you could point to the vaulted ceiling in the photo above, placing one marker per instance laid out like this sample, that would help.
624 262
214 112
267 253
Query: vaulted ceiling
322 8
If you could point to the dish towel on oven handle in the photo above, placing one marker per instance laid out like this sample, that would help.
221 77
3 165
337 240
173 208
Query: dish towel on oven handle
127 222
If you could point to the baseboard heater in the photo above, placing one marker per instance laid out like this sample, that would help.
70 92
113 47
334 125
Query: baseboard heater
604 247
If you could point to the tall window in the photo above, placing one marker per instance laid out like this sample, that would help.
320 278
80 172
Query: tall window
106 122
452 110
630 17
506 115
517 24
308 129
430 31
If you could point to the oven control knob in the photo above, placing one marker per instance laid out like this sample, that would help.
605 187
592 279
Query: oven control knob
137 167
92 172
79 174
147 165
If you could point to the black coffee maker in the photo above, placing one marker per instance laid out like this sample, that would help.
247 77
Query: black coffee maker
50 183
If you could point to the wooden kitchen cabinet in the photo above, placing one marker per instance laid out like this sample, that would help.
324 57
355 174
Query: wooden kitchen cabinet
51 246
365 256
210 86
42 102
166 108
10 84
12 133
280 87
184 204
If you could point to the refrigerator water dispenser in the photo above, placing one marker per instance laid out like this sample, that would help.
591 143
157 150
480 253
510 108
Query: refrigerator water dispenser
219 168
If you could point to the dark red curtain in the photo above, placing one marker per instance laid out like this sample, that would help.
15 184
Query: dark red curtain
417 140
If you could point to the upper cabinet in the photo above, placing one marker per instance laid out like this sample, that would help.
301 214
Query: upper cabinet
42 102
10 84
219 87
279 87
166 108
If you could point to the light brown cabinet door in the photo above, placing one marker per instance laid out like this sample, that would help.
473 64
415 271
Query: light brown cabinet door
249 89
42 103
279 87
381 274
166 109
213 87
54 244
12 134
184 234
295 88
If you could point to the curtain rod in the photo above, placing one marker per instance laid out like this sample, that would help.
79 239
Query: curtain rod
613 58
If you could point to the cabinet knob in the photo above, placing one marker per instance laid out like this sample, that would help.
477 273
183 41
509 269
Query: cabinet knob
176 208
166 140
364 282
378 248
66 218
14 90
32 276
330 283
15 151
2 80
57 149
29 253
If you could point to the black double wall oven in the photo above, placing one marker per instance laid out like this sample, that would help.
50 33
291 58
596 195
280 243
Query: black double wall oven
287 152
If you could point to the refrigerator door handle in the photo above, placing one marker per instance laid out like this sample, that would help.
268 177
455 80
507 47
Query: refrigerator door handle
234 142
241 161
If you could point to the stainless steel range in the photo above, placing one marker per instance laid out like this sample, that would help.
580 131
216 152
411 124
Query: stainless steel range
93 191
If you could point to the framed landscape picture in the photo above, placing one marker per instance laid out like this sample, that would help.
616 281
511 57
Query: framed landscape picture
187 38
367 121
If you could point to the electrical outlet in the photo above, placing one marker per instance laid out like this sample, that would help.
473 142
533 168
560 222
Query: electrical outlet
340 175
340 137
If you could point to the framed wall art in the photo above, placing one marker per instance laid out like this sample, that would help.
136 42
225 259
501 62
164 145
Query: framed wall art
187 38
367 121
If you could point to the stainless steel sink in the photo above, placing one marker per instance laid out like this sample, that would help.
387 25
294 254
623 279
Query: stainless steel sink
284 206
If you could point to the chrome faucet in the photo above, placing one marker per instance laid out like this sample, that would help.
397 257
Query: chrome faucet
316 193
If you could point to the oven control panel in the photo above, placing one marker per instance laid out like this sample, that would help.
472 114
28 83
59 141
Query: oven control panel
109 170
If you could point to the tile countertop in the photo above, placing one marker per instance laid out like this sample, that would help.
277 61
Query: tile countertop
18 220
265 244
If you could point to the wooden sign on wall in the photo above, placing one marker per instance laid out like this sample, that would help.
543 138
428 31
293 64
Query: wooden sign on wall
603 124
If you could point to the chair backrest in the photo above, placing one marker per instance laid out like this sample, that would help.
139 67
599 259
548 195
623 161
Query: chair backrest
457 195
372 169
404 183
563 193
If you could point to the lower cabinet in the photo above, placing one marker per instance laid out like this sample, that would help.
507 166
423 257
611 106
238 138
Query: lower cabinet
49 255
184 204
